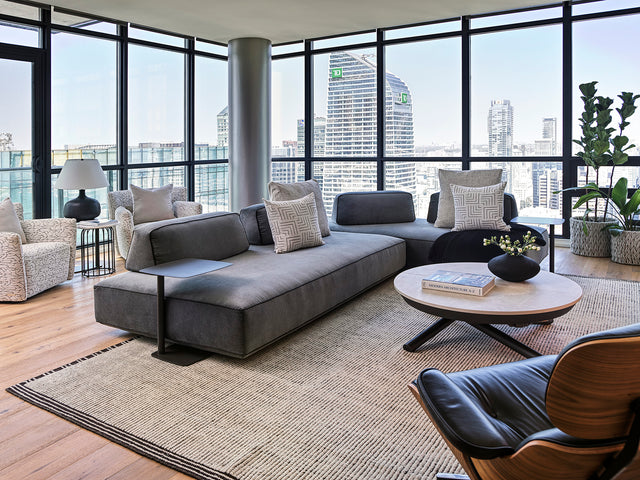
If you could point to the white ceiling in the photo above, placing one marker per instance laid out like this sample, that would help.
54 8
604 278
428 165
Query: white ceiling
282 20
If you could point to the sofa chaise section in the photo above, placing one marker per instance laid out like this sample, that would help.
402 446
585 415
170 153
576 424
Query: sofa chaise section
259 299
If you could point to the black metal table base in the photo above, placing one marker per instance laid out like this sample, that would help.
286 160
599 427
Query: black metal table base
181 355
430 332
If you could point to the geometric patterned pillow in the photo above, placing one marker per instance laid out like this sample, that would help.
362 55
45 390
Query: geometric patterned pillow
294 223
479 208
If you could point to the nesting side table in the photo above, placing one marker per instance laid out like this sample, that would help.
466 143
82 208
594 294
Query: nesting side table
97 250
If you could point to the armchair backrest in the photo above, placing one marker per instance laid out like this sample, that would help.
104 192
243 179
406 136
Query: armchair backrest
510 207
19 210
593 383
124 198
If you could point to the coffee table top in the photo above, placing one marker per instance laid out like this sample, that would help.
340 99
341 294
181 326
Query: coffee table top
544 293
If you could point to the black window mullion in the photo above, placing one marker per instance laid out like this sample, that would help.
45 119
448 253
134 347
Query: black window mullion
308 110
569 168
189 124
381 108
466 94
41 107
123 105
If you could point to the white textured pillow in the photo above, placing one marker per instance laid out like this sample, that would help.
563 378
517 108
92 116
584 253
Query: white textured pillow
292 191
9 221
467 178
151 205
478 208
294 224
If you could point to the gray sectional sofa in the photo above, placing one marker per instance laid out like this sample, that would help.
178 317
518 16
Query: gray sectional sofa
259 299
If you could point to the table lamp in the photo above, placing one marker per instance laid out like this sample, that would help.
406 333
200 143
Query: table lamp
80 174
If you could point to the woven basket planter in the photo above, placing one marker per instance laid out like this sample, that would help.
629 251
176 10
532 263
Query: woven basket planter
595 243
625 247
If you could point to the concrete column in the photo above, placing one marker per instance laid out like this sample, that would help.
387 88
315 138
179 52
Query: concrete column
249 120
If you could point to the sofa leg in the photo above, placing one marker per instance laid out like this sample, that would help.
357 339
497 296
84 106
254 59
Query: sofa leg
451 476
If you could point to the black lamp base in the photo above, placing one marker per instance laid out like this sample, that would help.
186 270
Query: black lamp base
82 208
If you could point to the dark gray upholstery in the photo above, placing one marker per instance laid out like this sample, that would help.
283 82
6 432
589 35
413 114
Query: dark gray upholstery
260 298
256 224
360 208
212 236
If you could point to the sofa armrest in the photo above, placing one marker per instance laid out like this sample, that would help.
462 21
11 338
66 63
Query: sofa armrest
124 230
186 209
53 230
12 274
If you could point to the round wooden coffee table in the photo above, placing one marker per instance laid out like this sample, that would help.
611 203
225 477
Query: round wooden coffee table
538 300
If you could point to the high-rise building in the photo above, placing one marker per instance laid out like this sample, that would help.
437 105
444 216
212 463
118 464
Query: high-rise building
548 146
223 127
319 134
500 128
351 127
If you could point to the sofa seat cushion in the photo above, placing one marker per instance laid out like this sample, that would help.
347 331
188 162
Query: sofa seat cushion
260 298
419 236
46 265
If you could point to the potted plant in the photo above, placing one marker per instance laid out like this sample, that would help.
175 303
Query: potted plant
590 234
625 236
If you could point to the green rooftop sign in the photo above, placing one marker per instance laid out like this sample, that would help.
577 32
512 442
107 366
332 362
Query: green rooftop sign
336 72
404 98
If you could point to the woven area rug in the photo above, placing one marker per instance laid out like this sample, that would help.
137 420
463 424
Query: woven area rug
329 402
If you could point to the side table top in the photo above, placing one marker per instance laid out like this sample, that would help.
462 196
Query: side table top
184 268
94 224
546 292
538 220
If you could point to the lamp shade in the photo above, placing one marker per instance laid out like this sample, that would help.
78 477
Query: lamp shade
81 174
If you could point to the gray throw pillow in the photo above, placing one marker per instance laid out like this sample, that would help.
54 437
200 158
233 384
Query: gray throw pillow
292 191
294 224
466 178
151 205
479 208
9 221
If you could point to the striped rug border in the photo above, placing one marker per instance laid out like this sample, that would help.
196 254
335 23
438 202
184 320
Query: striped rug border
132 442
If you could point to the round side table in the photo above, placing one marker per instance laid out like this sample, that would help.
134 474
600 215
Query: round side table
97 250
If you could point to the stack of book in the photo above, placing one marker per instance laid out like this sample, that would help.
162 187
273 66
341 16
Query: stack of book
459 282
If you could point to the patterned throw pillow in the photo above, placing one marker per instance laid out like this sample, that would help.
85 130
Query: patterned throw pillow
467 178
292 191
9 221
294 224
479 208
151 205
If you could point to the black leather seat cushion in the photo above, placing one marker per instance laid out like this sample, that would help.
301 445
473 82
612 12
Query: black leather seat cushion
487 412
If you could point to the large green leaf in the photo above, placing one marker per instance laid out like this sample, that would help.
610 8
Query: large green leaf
587 197
619 193
632 205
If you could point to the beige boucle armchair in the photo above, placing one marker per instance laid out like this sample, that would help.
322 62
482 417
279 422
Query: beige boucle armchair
121 209
45 260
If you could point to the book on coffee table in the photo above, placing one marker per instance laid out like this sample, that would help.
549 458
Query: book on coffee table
459 282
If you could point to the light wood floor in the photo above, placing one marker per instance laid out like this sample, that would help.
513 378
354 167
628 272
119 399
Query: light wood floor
57 327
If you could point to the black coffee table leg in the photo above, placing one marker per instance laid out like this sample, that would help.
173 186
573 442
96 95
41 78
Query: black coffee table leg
413 344
507 340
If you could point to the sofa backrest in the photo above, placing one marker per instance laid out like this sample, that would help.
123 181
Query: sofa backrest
366 208
510 207
211 236
256 224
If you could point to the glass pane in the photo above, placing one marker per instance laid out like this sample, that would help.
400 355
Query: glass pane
411 103
155 37
19 34
343 176
422 30
156 105
345 40
156 177
425 174
292 47
518 17
603 6
287 172
212 187
83 98
211 47
60 197
345 97
512 101
287 107
611 45
84 23
19 10
211 112
16 178
588 175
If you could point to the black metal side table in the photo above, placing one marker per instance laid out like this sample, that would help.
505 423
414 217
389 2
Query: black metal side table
97 249
184 268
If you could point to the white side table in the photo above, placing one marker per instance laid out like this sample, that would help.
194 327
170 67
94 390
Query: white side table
97 250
